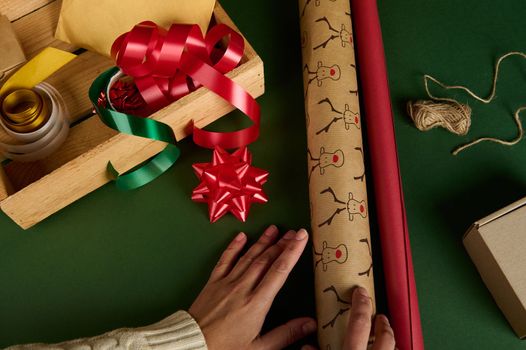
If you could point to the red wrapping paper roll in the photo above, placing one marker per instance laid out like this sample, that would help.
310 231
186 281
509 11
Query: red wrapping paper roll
394 235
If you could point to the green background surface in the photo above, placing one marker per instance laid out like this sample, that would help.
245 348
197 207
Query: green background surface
117 259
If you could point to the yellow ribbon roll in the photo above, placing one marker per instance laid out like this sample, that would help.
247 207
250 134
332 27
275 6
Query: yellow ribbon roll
25 110
33 112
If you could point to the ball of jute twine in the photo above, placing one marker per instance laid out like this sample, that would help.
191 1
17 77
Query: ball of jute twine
455 116
428 114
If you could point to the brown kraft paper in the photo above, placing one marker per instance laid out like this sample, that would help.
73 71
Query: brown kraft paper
337 187
11 53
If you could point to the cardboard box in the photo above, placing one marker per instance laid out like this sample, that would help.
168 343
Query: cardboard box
12 54
30 192
497 246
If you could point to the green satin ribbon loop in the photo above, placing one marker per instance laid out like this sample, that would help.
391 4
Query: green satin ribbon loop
137 126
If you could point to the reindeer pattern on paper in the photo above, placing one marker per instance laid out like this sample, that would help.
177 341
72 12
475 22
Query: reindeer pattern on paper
328 255
352 206
325 160
347 116
337 183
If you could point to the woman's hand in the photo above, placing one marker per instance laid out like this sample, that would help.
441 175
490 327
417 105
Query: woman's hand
360 323
233 305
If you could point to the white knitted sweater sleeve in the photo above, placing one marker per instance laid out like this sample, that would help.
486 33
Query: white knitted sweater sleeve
176 332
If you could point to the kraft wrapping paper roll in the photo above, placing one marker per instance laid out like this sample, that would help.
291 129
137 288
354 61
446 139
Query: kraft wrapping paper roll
390 211
337 187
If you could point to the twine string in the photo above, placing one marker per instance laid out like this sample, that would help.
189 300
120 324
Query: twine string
455 116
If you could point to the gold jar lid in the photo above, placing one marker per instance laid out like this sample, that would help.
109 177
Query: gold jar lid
24 110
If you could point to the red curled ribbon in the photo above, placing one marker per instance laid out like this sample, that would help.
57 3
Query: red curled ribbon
167 65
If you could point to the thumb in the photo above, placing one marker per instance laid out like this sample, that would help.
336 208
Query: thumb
286 334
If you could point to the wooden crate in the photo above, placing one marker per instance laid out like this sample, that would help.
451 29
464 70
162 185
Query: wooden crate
30 192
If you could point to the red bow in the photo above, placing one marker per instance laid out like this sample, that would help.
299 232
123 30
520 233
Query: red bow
229 184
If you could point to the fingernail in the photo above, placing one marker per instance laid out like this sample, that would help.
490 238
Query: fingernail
301 235
289 235
271 231
240 236
308 327
384 319
361 291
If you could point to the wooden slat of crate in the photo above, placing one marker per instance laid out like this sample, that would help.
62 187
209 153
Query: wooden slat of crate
36 30
24 174
5 185
82 138
74 80
14 9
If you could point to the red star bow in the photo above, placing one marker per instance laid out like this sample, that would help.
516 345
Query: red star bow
229 184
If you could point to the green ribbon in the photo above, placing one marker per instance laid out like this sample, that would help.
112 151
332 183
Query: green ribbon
133 125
